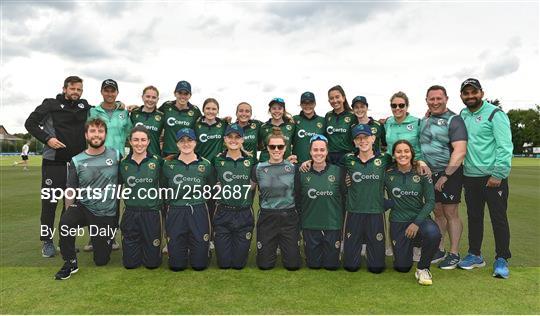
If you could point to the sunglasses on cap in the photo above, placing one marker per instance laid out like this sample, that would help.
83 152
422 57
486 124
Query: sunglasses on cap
400 105
274 147
318 137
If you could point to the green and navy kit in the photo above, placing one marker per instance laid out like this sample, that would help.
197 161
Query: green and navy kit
209 138
251 136
153 121
338 131
408 129
175 120
305 129
437 133
142 179
235 173
276 185
118 125
96 172
321 198
287 129
366 192
489 148
412 196
377 129
188 181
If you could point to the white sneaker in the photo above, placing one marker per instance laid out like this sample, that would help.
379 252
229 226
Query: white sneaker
417 253
389 252
423 276
363 252
115 245
88 248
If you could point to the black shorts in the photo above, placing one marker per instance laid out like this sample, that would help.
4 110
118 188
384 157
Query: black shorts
24 157
451 193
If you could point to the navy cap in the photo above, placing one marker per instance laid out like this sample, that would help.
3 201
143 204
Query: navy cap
360 99
234 128
471 82
307 97
278 101
109 83
185 132
361 129
183 86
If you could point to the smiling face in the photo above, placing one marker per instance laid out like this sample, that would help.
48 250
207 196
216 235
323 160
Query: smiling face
234 141
308 108
73 91
472 97
109 94
139 142
436 101
360 110
150 99
186 145
403 155
95 136
210 111
399 108
364 142
336 100
182 97
243 113
318 151
277 111
276 149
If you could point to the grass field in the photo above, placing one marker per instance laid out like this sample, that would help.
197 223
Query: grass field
27 285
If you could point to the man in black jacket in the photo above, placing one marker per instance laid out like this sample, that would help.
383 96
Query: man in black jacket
59 124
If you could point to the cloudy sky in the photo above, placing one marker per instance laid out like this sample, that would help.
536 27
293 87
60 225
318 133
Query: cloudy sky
253 51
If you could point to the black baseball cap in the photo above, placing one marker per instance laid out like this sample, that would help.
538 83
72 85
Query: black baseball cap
183 86
307 97
360 99
361 129
234 128
471 82
109 83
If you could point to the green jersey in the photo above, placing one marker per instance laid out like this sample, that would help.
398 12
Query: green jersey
305 128
99 174
276 185
190 183
287 128
321 198
175 120
412 195
437 133
366 192
489 146
209 138
338 131
377 129
234 179
143 180
408 129
118 125
251 136
153 121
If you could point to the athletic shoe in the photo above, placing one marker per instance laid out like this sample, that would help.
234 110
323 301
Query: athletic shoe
69 267
500 268
438 256
14 164
423 276
88 248
115 245
48 250
364 250
450 262
417 253
165 250
471 261
389 252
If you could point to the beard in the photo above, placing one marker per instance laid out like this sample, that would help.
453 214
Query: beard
476 104
93 145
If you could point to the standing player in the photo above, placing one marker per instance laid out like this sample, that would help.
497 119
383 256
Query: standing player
24 156
179 114
149 117
233 220
338 125
486 169
141 221
321 203
188 223
360 109
251 127
413 200
209 130
364 220
443 139
278 222
95 168
308 124
283 121
59 124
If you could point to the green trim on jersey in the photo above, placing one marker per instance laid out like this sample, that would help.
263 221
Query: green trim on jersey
408 129
377 129
276 185
305 129
142 179
366 192
118 125
234 173
251 136
153 121
175 120
209 138
338 131
287 128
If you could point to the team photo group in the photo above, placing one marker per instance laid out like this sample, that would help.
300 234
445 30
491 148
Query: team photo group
331 189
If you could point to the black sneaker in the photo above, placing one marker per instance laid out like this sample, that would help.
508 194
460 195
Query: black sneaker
438 256
67 269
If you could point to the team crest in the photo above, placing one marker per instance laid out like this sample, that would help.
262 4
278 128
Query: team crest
157 118
48 182
410 127
441 122
287 169
109 162
259 245
347 120
416 178
121 115
289 127
377 162
206 237
373 130
248 235
218 125
201 168
156 242
331 178
253 126
478 119
247 163
319 125
379 237
338 244
80 105
430 180
190 113
152 166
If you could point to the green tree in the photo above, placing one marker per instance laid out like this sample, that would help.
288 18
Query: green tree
525 126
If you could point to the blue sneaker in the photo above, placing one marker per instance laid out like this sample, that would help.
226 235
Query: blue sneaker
471 261
500 268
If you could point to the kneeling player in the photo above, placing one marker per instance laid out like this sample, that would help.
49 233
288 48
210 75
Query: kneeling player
141 222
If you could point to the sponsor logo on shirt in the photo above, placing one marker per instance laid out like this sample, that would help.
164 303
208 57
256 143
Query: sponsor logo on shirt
313 194
179 179
331 130
359 176
397 192
132 181
204 137
171 121
302 133
228 176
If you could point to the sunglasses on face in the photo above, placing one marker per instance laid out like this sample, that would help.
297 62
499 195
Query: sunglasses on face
400 105
274 147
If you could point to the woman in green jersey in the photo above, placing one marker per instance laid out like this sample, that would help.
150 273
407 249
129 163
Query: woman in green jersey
251 127
338 125
360 109
283 121
308 124
209 129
